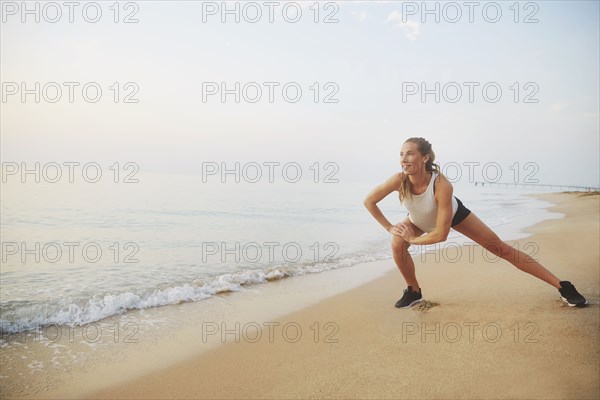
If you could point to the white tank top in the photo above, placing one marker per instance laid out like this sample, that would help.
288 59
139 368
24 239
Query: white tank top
422 208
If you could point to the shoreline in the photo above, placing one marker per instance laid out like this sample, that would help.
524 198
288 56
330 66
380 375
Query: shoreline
325 307
371 344
513 229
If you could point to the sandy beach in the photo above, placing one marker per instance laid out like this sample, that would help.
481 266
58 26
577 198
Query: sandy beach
485 331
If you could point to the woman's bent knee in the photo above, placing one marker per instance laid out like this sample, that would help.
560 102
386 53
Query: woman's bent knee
399 244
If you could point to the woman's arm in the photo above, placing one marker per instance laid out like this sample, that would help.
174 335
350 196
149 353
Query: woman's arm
443 197
378 194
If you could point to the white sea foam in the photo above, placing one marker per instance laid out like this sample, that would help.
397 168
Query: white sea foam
28 315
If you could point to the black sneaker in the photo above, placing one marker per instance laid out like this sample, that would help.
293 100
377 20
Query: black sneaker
570 295
410 298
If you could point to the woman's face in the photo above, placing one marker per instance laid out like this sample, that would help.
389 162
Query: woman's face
411 160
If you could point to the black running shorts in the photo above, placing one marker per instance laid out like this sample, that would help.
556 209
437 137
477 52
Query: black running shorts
461 213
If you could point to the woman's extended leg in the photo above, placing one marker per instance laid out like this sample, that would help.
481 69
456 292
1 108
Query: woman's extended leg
473 228
403 260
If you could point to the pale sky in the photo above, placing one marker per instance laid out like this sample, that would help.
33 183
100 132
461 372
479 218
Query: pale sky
369 54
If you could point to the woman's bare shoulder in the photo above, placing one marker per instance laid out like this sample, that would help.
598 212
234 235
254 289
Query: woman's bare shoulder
441 182
396 178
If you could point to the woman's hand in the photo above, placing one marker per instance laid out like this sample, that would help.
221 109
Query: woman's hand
405 231
395 230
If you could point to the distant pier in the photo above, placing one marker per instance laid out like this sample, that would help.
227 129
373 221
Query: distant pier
538 186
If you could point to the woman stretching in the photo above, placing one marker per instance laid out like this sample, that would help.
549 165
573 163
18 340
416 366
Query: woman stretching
432 208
